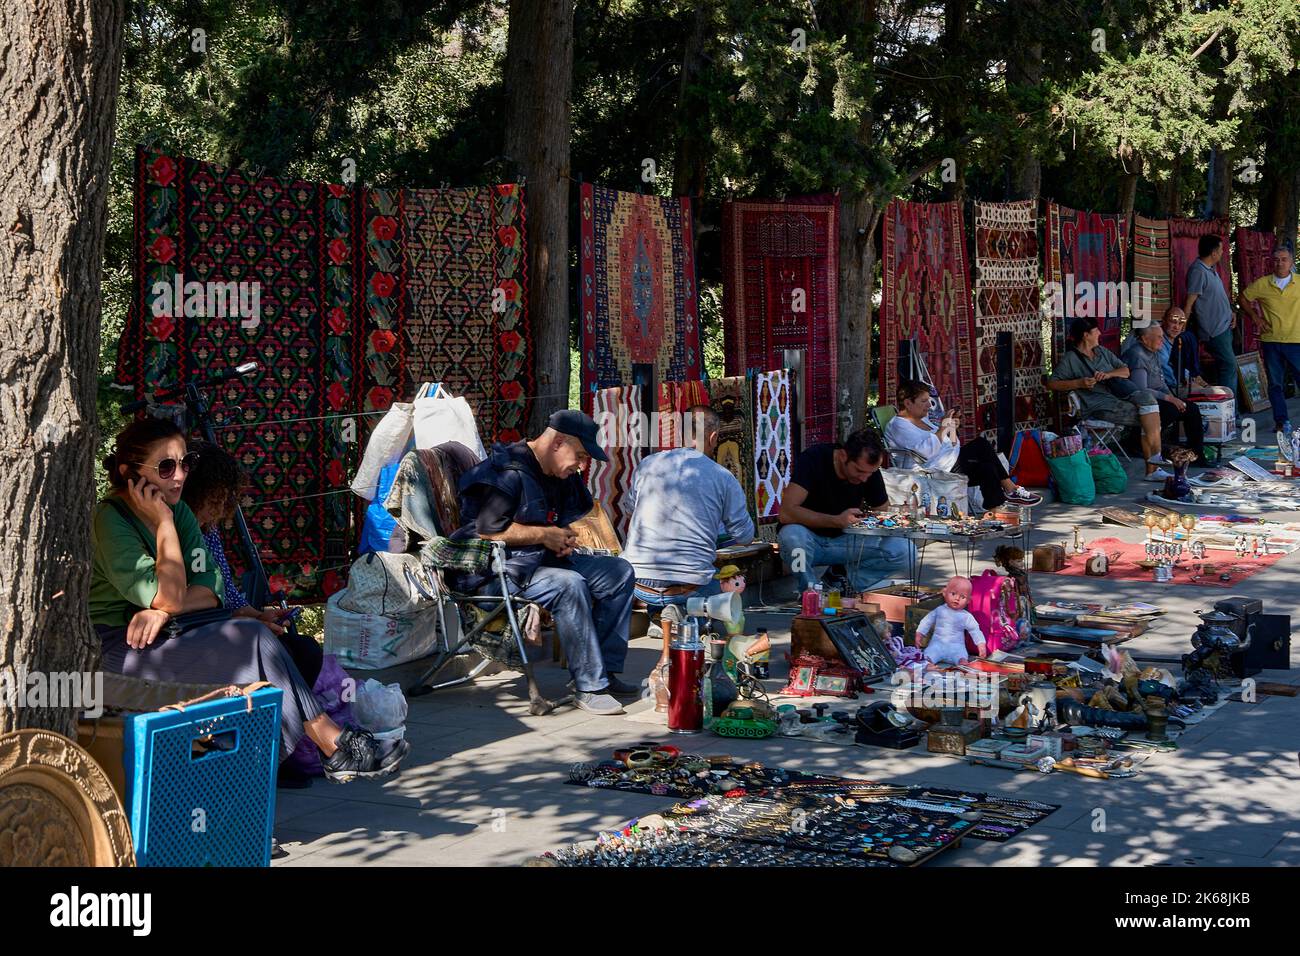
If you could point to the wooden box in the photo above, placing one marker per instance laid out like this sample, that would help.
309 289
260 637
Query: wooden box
953 740
102 738
1049 558
896 599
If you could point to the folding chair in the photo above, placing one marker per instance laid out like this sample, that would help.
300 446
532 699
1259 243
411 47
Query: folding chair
424 500
1108 434
881 416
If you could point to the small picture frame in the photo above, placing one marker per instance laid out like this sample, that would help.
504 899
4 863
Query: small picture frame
1252 383
801 680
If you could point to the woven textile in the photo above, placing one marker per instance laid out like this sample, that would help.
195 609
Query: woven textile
675 398
1253 258
466 322
1151 262
637 276
1184 236
773 455
927 300
733 400
781 291
618 413
1086 253
1006 300
265 269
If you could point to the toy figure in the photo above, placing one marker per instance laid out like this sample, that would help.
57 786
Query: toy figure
942 632
730 579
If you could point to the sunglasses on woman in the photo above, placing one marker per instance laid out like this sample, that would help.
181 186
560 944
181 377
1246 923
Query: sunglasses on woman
166 467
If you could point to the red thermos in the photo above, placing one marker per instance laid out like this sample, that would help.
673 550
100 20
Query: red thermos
685 671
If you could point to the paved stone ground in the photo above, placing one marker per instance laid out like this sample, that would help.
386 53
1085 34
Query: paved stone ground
485 782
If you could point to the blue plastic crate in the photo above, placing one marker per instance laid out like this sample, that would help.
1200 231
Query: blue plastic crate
208 808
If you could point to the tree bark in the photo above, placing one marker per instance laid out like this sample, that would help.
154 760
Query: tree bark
58 91
539 82
1279 194
859 214
954 108
1221 192
1025 70
691 161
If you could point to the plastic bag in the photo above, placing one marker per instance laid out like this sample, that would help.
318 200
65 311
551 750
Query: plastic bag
373 641
331 690
379 707
386 446
1108 475
439 420
1073 477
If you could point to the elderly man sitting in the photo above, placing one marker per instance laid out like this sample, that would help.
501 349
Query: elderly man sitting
1180 358
1142 356
526 495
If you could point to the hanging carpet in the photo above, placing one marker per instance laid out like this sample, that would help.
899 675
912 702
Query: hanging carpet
1253 258
733 399
1151 262
1086 253
1184 237
617 412
773 452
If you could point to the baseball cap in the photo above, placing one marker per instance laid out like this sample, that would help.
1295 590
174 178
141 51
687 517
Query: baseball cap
574 423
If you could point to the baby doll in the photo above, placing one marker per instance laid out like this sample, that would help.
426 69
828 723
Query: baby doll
942 632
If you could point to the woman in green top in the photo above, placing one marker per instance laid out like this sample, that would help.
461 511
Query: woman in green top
1100 380
150 564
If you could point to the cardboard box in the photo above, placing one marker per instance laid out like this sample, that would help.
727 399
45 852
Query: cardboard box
1219 420
895 600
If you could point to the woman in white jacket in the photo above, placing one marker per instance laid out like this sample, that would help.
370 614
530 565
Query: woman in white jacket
941 450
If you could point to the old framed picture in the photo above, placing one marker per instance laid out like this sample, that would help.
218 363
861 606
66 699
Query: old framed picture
1252 383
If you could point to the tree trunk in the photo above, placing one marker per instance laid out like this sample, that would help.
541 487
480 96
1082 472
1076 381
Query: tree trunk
955 108
539 81
690 164
858 217
1221 188
58 92
858 220
1129 185
1025 71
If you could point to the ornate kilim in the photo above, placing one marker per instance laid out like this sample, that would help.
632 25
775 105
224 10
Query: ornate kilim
1006 300
618 412
638 298
1184 236
674 399
466 324
773 455
1151 262
781 291
1087 247
733 400
382 346
1254 258
292 244
927 300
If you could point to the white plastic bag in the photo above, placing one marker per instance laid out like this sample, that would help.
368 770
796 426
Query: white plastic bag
371 641
379 707
444 419
386 446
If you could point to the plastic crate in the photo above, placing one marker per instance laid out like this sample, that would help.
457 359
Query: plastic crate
196 803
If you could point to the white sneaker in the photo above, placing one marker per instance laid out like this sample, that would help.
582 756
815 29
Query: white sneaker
1158 475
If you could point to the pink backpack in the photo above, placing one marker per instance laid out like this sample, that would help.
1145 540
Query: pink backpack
994 603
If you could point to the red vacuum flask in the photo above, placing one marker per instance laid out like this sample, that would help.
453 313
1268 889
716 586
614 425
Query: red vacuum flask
685 671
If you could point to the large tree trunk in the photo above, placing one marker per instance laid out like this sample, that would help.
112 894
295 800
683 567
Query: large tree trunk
539 81
58 91
955 109
690 165
1025 72
1221 183
1279 195
859 214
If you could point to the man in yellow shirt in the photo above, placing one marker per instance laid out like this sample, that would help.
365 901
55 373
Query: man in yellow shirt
1279 297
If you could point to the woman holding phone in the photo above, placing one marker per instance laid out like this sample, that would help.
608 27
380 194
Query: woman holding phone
941 450
150 564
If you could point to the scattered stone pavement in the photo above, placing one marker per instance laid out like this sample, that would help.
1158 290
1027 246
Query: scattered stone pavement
485 782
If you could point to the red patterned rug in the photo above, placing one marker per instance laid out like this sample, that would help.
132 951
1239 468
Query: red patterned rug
1006 300
1184 235
266 268
781 291
1086 247
927 299
1253 258
638 298
1125 555
466 322
1151 261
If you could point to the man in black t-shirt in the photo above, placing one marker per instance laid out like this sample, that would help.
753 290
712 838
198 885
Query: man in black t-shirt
831 488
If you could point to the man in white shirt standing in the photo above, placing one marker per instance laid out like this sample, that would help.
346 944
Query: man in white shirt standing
684 504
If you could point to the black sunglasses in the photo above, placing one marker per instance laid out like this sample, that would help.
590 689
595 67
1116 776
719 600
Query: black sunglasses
166 467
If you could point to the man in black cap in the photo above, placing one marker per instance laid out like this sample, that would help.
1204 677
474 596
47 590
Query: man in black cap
526 495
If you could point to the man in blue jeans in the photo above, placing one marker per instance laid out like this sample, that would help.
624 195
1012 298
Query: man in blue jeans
526 495
1211 311
830 487
1278 296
